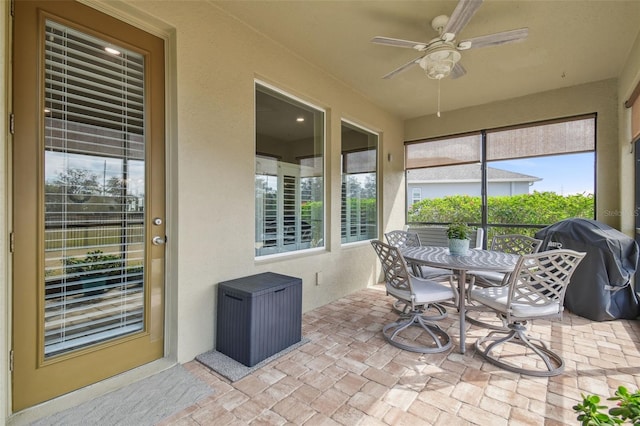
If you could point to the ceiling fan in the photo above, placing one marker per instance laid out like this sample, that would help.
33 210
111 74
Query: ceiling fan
441 55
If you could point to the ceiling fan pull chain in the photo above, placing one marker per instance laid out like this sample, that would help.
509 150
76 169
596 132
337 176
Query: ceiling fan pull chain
439 97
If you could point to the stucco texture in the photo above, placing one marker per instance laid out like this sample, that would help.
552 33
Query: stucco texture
218 60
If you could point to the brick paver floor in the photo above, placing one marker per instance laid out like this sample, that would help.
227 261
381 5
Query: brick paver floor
348 375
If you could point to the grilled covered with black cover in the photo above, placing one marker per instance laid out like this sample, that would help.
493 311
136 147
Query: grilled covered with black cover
601 287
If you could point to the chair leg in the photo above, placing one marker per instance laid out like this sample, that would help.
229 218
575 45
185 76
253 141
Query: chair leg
484 324
473 306
403 308
516 334
439 341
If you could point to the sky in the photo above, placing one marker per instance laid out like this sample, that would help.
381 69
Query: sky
103 167
563 174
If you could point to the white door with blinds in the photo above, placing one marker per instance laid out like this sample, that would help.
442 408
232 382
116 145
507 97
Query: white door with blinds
89 256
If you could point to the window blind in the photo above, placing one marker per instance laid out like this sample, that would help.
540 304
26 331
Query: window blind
452 150
562 137
635 120
363 161
94 190
634 103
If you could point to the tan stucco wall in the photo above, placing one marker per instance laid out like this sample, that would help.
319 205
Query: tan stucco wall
599 97
629 78
217 60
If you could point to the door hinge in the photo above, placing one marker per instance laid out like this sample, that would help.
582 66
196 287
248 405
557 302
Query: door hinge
11 360
11 242
12 123
13 8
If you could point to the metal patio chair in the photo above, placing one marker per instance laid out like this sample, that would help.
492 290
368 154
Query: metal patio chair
421 296
411 239
535 289
508 243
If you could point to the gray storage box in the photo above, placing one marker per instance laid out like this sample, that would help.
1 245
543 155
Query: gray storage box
258 316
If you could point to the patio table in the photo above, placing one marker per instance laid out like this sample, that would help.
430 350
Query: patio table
475 259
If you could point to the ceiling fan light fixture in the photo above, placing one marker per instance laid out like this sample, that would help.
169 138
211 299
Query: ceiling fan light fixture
439 63
441 54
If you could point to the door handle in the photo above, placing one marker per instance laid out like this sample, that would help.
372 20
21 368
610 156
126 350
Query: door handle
158 240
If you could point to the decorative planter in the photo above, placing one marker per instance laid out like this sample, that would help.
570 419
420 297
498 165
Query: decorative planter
94 284
458 247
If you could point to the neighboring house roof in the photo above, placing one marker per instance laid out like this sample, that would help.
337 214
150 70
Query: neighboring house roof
465 173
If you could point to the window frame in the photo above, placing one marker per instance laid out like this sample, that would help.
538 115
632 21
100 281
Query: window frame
484 162
320 124
343 161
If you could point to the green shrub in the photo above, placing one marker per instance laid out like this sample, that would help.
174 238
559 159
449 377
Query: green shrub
94 261
627 409
537 208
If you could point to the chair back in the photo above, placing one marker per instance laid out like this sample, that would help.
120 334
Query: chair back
437 236
515 244
396 273
539 282
402 239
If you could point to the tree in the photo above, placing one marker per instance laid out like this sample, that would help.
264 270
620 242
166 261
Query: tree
78 184
115 186
74 185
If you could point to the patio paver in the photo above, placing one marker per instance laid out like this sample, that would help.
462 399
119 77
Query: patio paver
348 375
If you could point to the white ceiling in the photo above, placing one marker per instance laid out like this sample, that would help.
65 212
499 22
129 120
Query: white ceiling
570 42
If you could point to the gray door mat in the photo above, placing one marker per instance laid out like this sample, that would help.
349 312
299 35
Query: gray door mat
145 402
234 370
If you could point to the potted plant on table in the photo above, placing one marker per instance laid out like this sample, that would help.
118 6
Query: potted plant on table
458 235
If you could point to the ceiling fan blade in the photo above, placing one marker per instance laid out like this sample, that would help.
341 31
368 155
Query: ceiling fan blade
461 15
396 42
402 68
458 71
498 38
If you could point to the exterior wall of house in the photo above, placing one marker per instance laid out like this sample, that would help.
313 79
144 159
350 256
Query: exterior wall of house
599 97
217 60
437 190
629 78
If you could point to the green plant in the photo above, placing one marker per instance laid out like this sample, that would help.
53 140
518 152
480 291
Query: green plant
627 409
93 270
458 231
94 261
537 208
